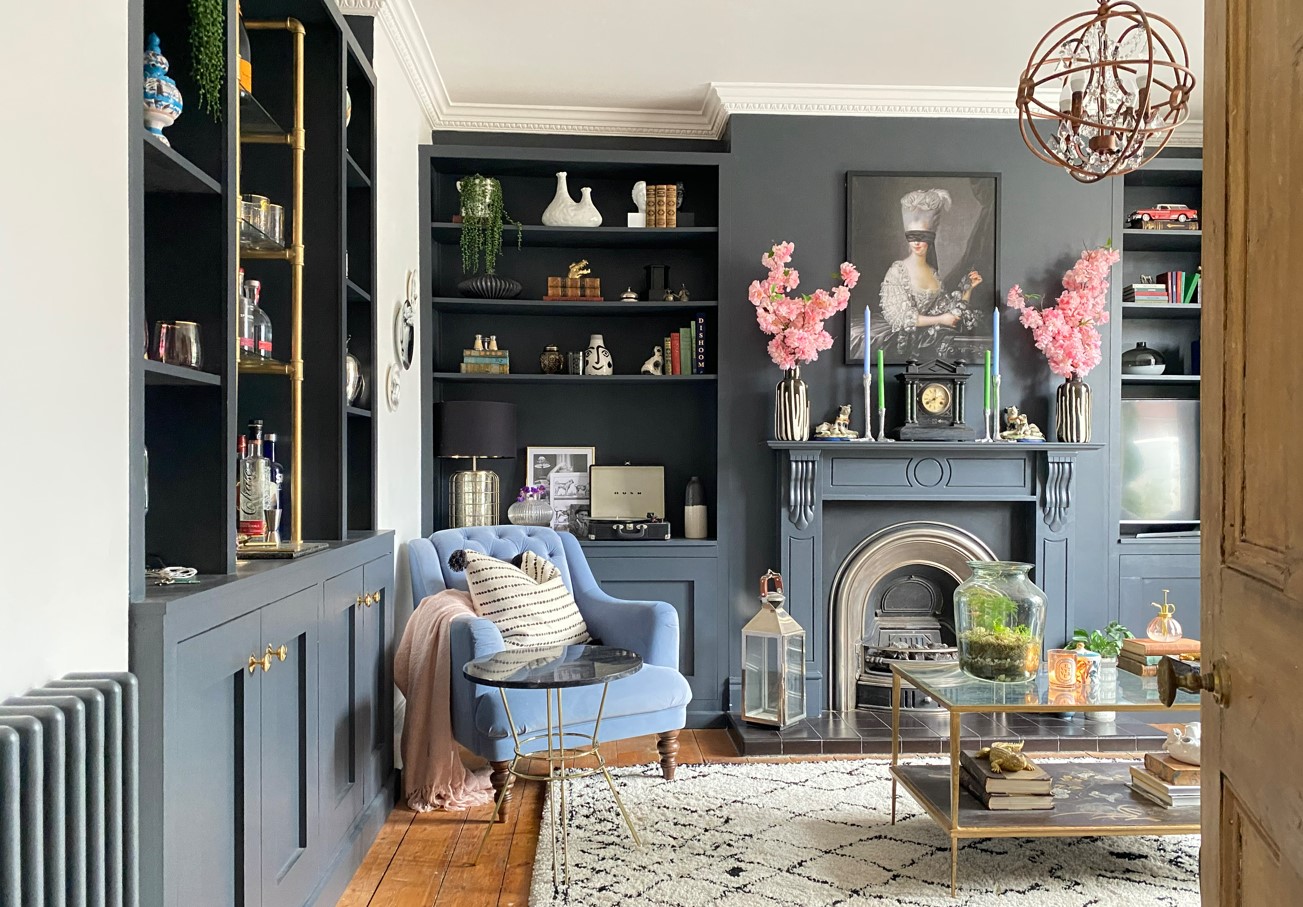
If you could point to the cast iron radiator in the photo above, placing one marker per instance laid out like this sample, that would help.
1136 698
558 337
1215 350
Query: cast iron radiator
69 789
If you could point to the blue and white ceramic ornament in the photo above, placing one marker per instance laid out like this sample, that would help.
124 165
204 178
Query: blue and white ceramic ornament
162 99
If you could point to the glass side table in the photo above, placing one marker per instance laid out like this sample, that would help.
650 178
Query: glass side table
553 670
1099 801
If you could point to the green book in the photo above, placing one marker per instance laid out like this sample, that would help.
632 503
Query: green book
1193 284
685 352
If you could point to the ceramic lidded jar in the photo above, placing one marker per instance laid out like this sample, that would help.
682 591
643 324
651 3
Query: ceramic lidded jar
162 99
1000 621
551 362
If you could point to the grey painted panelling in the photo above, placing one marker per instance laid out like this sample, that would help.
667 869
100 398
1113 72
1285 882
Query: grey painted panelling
787 181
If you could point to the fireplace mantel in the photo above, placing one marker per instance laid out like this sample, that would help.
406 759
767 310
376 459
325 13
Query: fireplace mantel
812 473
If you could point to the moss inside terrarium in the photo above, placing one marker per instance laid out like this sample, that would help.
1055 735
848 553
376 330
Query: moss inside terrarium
998 654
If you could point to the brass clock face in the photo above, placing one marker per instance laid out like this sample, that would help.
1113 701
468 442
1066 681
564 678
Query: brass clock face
935 398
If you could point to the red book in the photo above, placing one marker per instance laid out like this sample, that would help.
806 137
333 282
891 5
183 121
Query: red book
676 348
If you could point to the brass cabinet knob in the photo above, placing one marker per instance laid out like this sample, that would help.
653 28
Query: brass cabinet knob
361 600
279 653
255 662
1174 675
373 598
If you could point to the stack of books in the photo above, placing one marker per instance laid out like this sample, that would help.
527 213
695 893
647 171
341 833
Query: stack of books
1141 656
662 205
486 362
1145 292
1166 780
1027 789
1183 287
685 349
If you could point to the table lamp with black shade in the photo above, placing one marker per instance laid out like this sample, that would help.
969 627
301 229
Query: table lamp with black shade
474 430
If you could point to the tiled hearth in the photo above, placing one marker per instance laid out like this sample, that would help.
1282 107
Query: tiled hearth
865 731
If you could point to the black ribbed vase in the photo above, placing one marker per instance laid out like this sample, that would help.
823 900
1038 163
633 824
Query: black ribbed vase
489 286
1072 411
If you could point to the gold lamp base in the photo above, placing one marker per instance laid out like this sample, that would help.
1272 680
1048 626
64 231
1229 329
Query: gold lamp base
473 500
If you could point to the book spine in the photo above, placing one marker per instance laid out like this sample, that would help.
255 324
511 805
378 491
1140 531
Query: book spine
1142 670
663 213
671 206
700 364
667 368
692 349
654 206
674 354
685 351
1169 773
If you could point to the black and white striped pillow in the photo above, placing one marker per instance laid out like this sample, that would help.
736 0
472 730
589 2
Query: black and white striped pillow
530 604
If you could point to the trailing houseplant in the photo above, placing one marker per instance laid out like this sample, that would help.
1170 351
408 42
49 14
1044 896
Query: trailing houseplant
208 53
796 324
1068 334
482 217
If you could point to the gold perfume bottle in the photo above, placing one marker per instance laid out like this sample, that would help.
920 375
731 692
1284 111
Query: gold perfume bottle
1164 627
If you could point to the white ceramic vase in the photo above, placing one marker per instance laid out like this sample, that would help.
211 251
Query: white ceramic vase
566 212
597 358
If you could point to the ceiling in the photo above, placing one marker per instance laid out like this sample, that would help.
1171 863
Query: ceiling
576 61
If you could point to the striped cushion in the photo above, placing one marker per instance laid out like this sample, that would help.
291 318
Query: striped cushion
530 604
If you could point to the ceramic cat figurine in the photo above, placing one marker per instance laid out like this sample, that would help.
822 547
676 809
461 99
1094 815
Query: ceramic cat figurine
597 358
566 212
653 366
1183 742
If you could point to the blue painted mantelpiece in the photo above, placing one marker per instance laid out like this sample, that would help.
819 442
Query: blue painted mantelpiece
1036 478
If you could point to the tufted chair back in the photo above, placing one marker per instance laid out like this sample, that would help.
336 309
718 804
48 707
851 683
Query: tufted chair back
429 557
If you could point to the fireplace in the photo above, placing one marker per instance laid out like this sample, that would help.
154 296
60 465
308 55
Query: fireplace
892 600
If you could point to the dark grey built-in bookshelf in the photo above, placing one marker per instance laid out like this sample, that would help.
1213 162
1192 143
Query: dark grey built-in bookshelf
184 230
627 417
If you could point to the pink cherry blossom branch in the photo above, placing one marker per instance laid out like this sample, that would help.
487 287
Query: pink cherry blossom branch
796 322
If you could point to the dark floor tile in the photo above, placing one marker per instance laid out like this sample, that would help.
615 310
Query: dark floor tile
871 746
1115 745
801 730
802 746
841 746
924 745
863 718
840 730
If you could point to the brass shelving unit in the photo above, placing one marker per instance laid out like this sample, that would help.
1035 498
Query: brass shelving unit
293 254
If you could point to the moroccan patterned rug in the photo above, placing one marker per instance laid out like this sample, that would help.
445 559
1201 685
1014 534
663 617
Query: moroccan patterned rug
819 833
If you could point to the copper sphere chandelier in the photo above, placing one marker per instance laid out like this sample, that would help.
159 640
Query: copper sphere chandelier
1123 83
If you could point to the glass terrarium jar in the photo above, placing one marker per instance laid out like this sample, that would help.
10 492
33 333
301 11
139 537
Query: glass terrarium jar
1000 618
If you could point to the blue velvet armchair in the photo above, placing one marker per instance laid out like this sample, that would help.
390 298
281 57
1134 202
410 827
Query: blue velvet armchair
653 701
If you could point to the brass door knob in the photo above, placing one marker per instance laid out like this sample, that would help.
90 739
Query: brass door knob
372 598
264 662
278 653
1174 675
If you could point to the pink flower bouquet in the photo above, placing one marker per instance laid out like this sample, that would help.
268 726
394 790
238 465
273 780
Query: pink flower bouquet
1068 332
796 322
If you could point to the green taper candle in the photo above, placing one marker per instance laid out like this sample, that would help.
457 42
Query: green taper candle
882 383
986 384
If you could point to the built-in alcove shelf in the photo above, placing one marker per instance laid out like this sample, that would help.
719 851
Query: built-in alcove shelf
157 373
1161 379
356 293
167 170
1142 310
535 235
357 177
593 380
1162 240
460 305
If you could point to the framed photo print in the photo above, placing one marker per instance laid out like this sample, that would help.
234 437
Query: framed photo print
925 244
564 470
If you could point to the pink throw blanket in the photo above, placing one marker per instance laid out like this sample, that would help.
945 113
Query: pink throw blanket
434 776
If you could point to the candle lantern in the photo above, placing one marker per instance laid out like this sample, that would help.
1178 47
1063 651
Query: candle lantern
773 661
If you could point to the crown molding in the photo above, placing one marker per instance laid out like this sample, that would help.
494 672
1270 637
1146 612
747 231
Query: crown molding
722 99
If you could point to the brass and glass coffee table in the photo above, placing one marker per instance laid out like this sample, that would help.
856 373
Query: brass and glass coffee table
1098 799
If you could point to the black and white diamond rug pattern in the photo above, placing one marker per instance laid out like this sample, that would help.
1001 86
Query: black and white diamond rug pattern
820 834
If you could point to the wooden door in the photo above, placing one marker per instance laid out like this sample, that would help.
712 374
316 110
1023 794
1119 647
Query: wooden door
288 807
1252 485
375 675
340 725
212 841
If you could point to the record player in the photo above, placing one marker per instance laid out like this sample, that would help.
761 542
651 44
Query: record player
627 504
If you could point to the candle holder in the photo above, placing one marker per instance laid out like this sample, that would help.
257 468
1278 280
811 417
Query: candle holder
986 414
996 411
882 425
868 409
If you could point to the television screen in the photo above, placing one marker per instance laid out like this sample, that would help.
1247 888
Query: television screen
1160 461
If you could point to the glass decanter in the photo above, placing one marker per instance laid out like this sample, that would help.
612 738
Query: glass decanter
1164 627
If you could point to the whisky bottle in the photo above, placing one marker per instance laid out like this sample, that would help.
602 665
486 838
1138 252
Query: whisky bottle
280 493
255 486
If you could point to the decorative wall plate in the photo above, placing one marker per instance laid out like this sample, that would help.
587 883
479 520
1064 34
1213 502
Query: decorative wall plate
394 386
405 333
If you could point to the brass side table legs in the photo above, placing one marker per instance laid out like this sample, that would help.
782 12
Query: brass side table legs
955 731
561 769
895 737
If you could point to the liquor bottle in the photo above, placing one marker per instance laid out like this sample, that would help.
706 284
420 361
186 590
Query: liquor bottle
261 321
255 486
246 322
246 58
279 479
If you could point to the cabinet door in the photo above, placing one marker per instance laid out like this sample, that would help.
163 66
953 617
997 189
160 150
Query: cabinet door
212 841
341 731
375 676
691 585
288 807
1143 579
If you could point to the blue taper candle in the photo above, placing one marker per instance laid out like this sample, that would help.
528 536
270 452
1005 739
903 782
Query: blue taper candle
995 340
867 365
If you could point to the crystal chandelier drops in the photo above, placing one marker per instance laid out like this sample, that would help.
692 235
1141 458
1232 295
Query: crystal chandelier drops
1103 91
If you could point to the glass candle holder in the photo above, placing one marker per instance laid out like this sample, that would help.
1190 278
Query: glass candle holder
1063 668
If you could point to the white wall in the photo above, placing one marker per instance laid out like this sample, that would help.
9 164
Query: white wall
63 283
401 127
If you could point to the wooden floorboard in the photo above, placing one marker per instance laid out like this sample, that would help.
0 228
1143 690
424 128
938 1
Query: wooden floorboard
425 859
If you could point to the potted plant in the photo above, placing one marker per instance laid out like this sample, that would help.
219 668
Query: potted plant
993 643
482 219
1107 644
208 53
